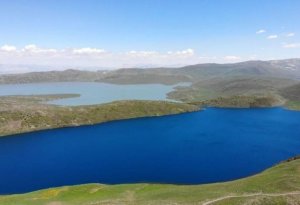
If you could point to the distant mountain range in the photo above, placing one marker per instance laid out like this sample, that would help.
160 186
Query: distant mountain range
207 80
289 69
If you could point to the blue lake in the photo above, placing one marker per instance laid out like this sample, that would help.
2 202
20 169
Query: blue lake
91 93
202 147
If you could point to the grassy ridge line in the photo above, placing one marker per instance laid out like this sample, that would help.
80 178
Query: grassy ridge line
243 101
20 114
273 186
293 105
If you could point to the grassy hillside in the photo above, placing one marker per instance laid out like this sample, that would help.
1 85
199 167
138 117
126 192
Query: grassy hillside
243 101
208 81
293 105
52 76
230 86
291 93
144 78
27 113
278 185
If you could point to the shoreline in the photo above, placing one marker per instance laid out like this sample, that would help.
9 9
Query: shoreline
23 114
198 106
201 108
297 157
204 193
99 123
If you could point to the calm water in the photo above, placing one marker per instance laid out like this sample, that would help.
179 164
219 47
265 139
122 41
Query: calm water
91 93
202 147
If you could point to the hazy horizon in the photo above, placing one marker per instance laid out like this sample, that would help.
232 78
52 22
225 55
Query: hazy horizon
23 68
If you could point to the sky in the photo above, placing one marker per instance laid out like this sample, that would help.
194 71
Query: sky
146 33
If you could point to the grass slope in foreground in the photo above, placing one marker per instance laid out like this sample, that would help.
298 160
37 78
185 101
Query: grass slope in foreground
277 185
27 113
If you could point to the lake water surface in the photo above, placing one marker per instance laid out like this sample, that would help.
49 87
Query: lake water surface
91 93
193 148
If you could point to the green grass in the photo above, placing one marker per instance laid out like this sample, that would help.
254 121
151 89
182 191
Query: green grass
26 113
282 178
243 101
227 86
293 105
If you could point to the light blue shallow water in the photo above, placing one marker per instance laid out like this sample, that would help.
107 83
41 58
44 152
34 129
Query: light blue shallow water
201 147
91 93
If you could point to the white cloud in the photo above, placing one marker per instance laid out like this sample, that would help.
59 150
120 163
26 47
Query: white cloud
290 34
50 58
8 48
261 31
184 53
272 37
231 58
181 53
97 58
88 51
134 53
292 45
188 52
31 48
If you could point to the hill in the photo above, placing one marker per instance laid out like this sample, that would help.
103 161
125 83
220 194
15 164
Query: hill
51 76
27 113
230 86
275 79
276 69
291 92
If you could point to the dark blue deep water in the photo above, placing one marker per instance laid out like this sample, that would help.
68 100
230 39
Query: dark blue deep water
193 148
